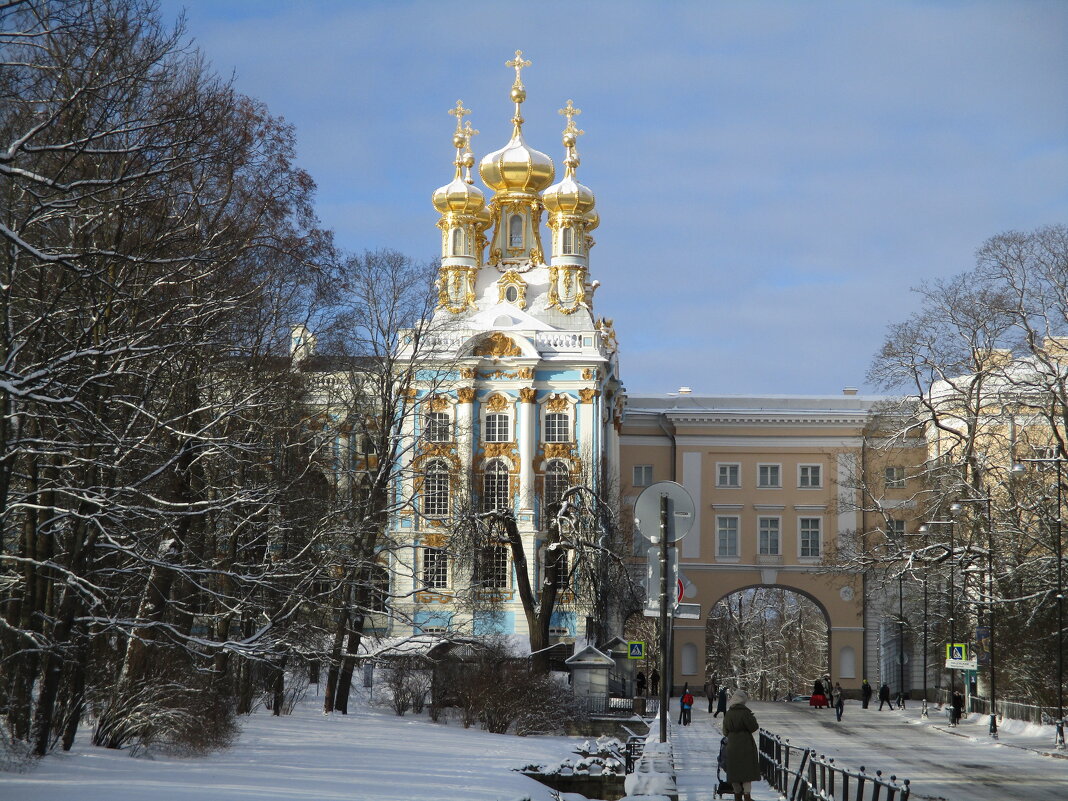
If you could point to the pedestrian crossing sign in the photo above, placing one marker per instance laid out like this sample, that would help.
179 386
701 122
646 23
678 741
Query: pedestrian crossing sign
635 650
957 650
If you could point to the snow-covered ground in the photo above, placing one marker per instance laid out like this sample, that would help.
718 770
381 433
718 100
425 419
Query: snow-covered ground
369 754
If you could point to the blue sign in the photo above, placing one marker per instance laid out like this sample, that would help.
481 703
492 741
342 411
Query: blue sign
636 650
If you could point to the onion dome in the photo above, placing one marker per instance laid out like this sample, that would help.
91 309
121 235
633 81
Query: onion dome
460 196
517 167
569 196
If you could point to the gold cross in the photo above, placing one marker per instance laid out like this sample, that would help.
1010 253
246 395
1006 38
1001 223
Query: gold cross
459 112
468 133
571 112
518 63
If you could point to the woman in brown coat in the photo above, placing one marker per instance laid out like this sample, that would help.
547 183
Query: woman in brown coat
742 764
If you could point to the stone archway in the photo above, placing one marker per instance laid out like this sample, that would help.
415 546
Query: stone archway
838 596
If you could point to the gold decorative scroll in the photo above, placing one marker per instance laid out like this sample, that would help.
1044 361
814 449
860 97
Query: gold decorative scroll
465 394
589 374
587 395
434 540
528 394
491 450
557 403
497 345
439 403
497 403
525 373
467 372
427 597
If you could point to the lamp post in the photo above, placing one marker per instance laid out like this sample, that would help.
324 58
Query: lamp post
1059 460
901 638
926 648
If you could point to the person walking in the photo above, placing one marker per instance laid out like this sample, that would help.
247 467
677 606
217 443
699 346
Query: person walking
742 763
639 682
837 700
654 682
958 709
710 693
865 694
721 702
685 705
884 697
818 699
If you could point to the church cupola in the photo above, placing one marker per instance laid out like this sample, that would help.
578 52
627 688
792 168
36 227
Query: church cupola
570 206
517 173
464 219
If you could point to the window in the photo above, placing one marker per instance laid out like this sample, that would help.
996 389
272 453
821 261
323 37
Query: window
495 493
643 475
557 427
498 428
769 544
491 568
810 536
895 478
511 293
726 536
435 568
438 427
809 476
563 575
769 475
568 239
457 242
379 579
729 475
895 530
436 490
515 231
557 480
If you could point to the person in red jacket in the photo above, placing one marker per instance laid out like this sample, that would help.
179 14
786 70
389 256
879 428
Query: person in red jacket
685 705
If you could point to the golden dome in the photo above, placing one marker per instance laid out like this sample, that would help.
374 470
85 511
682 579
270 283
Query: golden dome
460 196
569 196
517 167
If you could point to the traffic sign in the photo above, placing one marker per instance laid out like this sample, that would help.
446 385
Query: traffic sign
680 511
962 664
635 650
957 651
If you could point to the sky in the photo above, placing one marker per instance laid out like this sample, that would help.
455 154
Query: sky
773 178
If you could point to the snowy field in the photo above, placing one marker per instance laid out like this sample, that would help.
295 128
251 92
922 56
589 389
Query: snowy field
370 754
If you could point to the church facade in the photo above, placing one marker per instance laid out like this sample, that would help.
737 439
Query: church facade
523 397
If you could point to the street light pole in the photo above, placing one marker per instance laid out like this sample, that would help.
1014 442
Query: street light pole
901 637
1059 740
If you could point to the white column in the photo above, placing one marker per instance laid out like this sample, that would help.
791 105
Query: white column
525 441
465 425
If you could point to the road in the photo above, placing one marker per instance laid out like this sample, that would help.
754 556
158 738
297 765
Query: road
941 764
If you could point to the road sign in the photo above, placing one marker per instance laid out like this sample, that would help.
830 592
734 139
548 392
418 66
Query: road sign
962 664
679 591
635 650
680 612
680 511
957 651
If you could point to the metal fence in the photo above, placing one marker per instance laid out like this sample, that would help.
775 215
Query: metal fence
1013 710
605 705
800 774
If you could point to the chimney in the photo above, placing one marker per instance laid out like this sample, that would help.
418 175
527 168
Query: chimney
685 390
849 391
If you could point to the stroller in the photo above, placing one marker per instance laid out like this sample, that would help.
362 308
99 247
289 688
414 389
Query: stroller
723 787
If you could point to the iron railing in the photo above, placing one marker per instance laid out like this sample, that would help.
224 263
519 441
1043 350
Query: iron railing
800 774
604 704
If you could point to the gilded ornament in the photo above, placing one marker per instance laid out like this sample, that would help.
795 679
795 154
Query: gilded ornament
466 394
559 450
589 374
587 395
438 403
497 345
528 394
427 597
497 403
536 256
493 450
434 540
526 373
557 403
467 372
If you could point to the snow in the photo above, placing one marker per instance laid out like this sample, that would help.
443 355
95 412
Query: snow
368 754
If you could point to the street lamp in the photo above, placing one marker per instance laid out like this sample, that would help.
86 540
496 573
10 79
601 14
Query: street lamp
1059 460
926 648
955 508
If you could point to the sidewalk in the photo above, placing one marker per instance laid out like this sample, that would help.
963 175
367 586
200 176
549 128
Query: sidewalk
1011 733
696 747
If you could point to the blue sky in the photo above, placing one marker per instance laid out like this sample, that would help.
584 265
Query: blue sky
772 177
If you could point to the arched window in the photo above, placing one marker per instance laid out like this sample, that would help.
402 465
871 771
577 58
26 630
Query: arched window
498 428
495 493
515 231
437 427
557 427
568 241
436 490
457 242
557 480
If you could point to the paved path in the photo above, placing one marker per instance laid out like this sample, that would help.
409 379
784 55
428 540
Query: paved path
696 747
960 764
